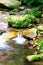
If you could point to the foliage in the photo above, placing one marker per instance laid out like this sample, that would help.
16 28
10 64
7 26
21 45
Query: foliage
36 57
37 20
23 24
32 2
22 21
34 11
12 12
40 45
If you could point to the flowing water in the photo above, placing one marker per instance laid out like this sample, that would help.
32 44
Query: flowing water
12 53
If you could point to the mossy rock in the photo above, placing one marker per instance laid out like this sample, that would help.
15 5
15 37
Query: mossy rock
20 21
34 57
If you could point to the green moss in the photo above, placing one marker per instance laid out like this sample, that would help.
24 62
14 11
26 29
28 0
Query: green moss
40 44
36 57
34 11
12 12
21 21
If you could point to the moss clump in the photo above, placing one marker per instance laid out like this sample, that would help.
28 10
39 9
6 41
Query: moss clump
34 11
36 57
20 21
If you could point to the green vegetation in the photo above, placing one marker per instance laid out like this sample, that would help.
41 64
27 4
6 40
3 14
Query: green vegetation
36 57
40 43
33 2
12 12
34 11
20 21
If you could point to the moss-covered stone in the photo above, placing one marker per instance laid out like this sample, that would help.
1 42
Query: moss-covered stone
20 21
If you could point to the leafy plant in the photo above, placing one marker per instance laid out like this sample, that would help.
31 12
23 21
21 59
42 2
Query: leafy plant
36 57
12 12
34 11
21 21
40 43
32 2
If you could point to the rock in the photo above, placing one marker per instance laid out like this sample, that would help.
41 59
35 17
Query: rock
10 3
40 27
1 32
32 33
22 8
8 35
42 15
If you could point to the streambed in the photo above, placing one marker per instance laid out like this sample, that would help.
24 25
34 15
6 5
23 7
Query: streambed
15 54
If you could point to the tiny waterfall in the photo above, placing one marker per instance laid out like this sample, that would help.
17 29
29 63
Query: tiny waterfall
19 39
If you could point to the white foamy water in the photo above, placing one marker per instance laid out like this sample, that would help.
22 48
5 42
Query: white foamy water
3 43
3 26
3 15
19 39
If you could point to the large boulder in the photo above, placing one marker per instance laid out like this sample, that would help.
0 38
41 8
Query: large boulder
10 3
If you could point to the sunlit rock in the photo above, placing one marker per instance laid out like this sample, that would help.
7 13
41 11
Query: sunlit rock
42 15
3 43
32 33
40 27
8 35
11 3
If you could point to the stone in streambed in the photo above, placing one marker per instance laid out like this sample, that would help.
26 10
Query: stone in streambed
40 27
10 3
32 33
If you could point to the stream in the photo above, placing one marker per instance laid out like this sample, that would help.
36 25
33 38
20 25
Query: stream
12 53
